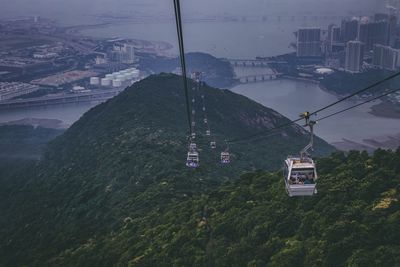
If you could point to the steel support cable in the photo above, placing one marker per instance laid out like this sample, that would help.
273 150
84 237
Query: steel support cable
261 134
317 111
358 92
357 105
323 118
178 20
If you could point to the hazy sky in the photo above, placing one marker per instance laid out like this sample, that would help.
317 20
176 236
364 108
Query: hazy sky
74 8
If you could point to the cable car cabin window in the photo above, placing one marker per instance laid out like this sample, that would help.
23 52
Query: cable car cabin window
302 176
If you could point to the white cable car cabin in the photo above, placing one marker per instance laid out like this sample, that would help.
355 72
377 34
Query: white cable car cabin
300 173
192 160
300 176
192 146
213 145
225 157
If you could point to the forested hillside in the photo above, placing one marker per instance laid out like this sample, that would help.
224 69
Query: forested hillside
125 160
353 221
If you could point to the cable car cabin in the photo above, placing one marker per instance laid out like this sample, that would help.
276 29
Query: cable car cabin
225 158
192 146
213 145
300 177
208 132
192 160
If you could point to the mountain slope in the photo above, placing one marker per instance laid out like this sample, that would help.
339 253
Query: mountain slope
125 158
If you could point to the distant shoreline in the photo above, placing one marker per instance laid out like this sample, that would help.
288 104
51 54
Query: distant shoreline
385 109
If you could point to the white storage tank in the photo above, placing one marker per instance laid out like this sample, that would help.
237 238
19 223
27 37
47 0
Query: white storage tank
126 76
105 82
117 83
131 75
136 73
94 80
121 77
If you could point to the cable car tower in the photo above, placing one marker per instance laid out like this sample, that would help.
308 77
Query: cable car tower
300 173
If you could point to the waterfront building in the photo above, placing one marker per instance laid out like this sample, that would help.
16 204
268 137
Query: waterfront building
349 30
309 42
386 57
372 33
391 20
392 31
334 37
354 56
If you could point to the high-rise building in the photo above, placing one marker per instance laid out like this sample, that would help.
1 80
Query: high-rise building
372 33
349 30
386 57
333 37
129 51
122 53
309 42
354 56
392 31
391 20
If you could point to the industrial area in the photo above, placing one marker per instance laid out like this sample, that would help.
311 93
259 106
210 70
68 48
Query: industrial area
40 60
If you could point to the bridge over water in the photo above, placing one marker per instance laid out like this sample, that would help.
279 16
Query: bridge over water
258 78
253 62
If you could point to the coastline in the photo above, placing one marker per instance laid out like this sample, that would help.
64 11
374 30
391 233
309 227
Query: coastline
384 109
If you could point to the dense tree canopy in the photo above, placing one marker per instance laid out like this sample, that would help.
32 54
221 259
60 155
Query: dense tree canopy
122 166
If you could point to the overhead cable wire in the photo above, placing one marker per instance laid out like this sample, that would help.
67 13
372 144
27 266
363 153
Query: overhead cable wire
178 20
358 92
246 138
265 133
357 105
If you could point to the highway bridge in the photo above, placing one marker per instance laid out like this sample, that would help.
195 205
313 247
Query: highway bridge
253 62
94 96
258 78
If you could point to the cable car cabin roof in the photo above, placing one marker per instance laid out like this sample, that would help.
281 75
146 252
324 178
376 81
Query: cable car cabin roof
298 163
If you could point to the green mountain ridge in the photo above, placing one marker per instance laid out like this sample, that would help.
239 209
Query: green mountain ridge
125 159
